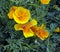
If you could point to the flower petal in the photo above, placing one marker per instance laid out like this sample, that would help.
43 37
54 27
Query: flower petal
18 27
12 10
33 22
34 29
28 34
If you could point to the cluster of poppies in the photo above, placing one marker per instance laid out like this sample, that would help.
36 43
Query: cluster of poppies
29 27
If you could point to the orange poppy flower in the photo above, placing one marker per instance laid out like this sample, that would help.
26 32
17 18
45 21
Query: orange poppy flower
45 1
27 31
21 15
42 33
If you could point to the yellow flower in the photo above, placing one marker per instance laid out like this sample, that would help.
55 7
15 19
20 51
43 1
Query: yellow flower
12 10
57 30
45 1
21 15
26 28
